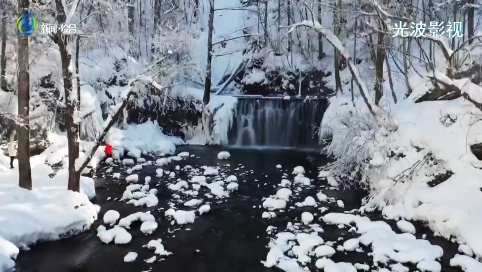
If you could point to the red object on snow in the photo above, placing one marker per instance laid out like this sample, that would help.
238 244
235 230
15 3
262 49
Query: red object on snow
108 150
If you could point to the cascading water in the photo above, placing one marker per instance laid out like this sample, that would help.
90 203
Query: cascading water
277 122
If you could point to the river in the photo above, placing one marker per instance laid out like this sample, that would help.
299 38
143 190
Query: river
231 237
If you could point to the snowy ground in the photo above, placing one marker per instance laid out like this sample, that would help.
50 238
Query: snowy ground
218 211
406 158
48 212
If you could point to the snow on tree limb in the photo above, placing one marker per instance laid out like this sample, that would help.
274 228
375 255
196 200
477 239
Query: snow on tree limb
112 118
71 13
333 40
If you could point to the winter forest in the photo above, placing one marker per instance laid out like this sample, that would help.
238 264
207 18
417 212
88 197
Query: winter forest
240 135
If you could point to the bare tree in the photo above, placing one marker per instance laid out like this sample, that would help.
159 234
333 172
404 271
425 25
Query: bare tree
23 81
71 126
337 29
406 58
379 62
207 79
3 58
321 55
470 20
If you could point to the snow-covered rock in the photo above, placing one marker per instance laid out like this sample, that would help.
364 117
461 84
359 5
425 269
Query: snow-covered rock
130 257
224 155
111 217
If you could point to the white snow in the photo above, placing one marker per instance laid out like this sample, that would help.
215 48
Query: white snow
406 226
466 250
181 217
309 201
180 185
148 227
162 161
329 265
130 257
183 154
210 171
429 266
386 244
268 215
198 179
132 178
307 217
217 189
351 244
193 202
204 209
138 216
224 155
285 183
274 203
278 166
232 186
300 179
145 137
111 217
468 264
340 204
231 178
299 170
284 193
117 234
45 213
323 174
128 162
158 247
321 197
324 251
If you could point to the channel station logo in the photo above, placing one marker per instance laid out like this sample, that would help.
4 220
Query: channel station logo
27 23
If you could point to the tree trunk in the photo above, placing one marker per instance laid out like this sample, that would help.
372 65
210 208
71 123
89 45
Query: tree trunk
390 81
23 131
130 17
139 34
113 119
266 34
380 60
207 79
157 23
321 55
288 8
354 61
77 76
337 28
196 7
406 49
278 48
470 20
3 58
71 127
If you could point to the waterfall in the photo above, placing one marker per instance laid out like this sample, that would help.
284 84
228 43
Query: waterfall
277 122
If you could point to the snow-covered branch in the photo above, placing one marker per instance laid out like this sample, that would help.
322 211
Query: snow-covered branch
333 40
117 111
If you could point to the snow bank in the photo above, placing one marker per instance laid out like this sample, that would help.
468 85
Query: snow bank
48 212
436 136
146 137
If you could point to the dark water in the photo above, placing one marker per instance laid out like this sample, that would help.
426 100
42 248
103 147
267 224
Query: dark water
231 237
